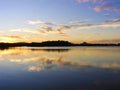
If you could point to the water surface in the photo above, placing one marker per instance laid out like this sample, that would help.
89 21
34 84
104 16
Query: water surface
60 68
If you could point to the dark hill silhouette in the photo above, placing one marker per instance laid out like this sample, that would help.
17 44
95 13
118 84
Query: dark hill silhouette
50 44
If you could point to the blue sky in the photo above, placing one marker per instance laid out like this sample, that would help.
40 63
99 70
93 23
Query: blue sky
73 20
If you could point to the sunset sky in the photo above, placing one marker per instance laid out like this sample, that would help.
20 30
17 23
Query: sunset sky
94 21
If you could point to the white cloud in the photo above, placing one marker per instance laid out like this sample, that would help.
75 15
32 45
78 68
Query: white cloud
39 22
61 29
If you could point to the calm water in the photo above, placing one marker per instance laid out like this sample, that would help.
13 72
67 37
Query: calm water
76 68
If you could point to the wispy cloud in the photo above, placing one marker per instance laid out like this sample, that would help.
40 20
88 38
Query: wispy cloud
79 21
107 14
117 20
12 36
108 5
61 29
111 24
102 7
38 22
43 30
85 1
46 28
27 30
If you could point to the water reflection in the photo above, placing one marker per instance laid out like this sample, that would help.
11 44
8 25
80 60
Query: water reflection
52 58
67 68
52 50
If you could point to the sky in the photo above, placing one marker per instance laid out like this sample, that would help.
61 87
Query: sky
77 21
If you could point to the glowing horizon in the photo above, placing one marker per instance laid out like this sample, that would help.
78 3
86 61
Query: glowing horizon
93 21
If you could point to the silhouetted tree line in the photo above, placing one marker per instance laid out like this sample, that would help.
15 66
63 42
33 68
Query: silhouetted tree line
50 43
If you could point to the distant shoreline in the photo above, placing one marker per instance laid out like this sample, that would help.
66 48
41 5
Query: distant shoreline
52 44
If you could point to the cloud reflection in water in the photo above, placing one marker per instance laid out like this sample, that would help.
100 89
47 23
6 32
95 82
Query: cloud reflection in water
42 59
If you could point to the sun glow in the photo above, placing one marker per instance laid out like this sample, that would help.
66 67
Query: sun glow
7 40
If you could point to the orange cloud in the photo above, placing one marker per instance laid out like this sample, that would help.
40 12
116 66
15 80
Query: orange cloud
103 5
85 1
12 36
97 9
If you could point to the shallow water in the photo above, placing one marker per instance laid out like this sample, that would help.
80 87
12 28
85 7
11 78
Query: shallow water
60 68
